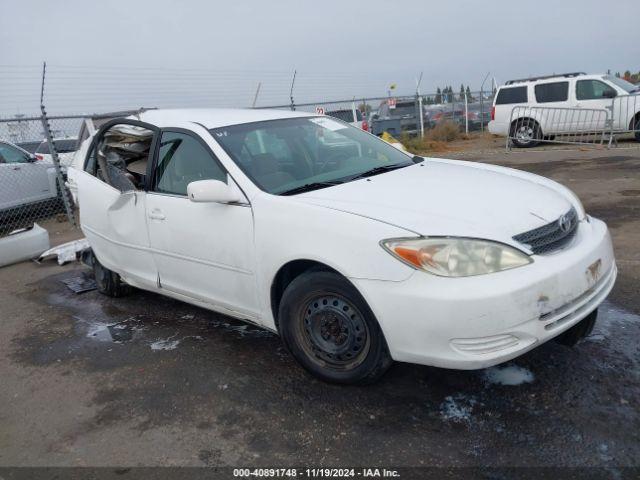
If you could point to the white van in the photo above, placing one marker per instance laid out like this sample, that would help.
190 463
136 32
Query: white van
567 103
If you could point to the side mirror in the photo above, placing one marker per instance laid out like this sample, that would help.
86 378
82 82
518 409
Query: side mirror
214 191
32 158
609 94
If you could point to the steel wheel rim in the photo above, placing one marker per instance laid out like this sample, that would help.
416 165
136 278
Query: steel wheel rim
335 333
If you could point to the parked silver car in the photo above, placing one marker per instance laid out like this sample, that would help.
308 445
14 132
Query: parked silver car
26 186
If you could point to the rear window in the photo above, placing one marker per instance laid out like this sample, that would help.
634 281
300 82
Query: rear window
512 95
552 92
62 146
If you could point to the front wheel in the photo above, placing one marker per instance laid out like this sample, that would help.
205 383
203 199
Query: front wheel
331 331
108 282
580 330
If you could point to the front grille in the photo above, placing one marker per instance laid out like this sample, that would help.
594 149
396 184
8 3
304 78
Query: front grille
552 236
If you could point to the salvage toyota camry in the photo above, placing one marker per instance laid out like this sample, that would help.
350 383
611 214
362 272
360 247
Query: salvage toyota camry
354 252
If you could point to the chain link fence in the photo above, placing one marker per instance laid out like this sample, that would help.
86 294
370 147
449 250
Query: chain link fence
35 153
407 114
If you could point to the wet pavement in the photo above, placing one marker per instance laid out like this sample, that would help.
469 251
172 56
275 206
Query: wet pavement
146 380
156 363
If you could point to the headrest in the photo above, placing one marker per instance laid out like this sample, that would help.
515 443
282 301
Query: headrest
264 164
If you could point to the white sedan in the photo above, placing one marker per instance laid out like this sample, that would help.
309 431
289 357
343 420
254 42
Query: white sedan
353 251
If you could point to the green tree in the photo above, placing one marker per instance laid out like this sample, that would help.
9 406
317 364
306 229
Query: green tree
364 108
469 96
438 95
462 92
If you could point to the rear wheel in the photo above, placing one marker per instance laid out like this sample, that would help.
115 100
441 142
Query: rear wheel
525 133
579 331
108 282
331 331
635 126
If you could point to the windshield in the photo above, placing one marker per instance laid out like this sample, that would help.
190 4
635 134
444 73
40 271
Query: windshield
283 155
622 83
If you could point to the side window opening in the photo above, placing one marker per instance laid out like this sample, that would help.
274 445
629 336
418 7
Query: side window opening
120 157
183 159
512 95
593 90
552 92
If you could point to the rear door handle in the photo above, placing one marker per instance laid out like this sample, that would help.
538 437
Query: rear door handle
156 215
17 168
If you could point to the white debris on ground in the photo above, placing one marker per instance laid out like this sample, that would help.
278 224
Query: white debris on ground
169 344
457 408
166 344
511 375
67 252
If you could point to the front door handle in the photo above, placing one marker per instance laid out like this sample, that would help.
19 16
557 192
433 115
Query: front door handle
17 168
156 215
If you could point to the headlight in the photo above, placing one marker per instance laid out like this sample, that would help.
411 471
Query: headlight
455 257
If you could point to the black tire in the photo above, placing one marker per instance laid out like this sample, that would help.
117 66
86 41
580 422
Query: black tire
635 126
525 133
331 331
579 331
108 282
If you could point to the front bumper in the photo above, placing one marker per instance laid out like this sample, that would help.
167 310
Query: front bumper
476 322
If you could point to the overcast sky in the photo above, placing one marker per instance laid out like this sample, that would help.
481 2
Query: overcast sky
334 44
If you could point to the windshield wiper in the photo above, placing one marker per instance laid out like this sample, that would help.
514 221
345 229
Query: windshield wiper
308 187
378 170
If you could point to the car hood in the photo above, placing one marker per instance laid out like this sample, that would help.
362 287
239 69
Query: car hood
448 198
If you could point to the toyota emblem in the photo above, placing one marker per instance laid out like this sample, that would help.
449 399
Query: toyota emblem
564 222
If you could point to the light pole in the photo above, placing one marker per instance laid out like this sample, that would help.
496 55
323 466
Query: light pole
482 101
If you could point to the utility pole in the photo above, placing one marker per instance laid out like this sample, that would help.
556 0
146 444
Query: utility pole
420 113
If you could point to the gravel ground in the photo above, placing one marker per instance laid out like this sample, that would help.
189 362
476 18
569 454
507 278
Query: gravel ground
147 381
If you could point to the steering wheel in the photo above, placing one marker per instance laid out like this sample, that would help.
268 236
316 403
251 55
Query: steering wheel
337 156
